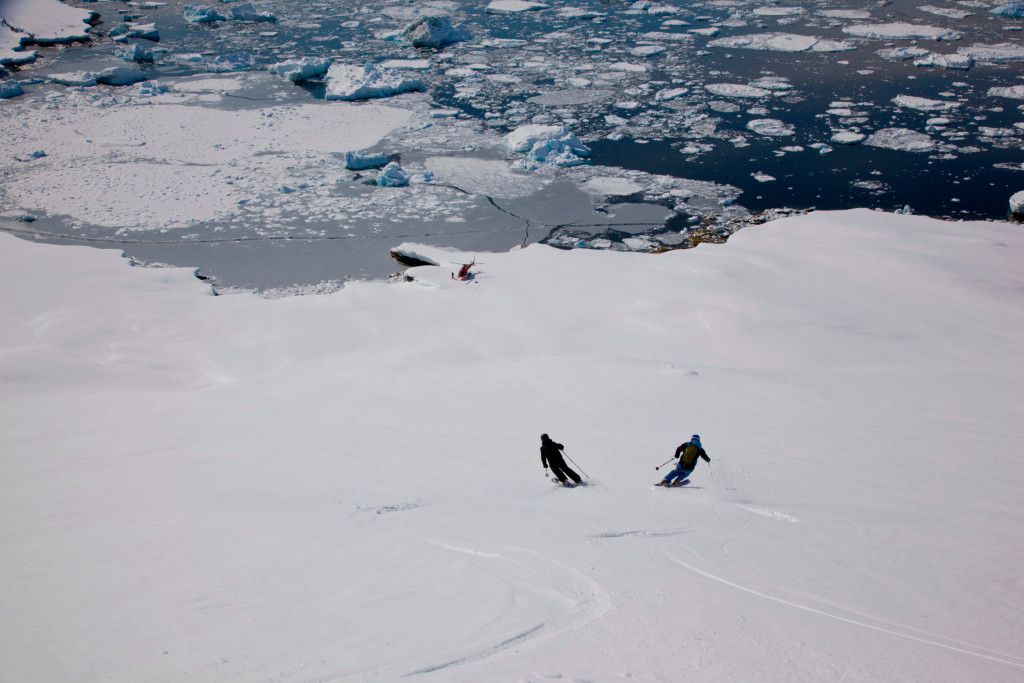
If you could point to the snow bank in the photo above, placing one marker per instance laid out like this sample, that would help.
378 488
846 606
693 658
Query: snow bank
348 486
349 82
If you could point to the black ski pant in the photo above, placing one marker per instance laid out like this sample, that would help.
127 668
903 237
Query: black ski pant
561 470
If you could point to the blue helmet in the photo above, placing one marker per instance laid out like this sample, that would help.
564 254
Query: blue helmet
695 437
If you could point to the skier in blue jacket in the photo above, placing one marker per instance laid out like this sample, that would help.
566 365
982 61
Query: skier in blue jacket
688 453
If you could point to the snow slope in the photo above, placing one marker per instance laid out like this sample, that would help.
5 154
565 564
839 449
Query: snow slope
348 487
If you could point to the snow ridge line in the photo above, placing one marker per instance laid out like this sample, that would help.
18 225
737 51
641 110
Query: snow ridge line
812 610
483 654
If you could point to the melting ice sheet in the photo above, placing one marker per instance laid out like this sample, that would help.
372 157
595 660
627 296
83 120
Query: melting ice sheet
212 139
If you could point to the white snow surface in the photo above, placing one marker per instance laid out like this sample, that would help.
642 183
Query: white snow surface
348 487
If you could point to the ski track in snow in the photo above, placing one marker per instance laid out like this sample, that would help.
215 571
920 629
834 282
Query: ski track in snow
770 514
962 648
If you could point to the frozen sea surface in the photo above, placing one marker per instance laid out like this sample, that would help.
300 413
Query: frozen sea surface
700 118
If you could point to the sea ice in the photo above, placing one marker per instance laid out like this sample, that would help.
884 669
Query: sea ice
74 79
359 161
736 90
302 69
349 82
771 127
550 144
923 104
513 6
246 12
1017 203
902 139
670 94
433 32
392 175
1001 53
10 89
484 177
783 42
200 14
1011 10
950 61
949 12
778 11
895 54
46 21
238 61
612 187
844 14
1015 92
902 31
848 137
120 75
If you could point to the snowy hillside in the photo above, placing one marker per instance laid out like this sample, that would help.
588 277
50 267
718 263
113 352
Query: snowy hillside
348 487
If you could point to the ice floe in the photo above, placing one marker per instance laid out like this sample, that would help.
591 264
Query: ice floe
246 12
433 32
46 22
1002 53
848 137
923 103
392 175
771 127
783 42
736 90
1011 10
1015 92
902 139
201 14
513 6
902 31
350 82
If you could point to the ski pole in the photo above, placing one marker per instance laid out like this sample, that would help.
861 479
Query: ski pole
664 463
574 463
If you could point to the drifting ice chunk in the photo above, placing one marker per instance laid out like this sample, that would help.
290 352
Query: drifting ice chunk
296 70
392 175
198 14
1002 53
513 6
895 54
901 139
1017 205
10 89
74 79
771 127
135 53
349 82
239 61
120 75
433 32
783 42
1011 10
551 144
956 61
923 104
901 31
736 90
670 94
1015 92
247 12
848 137
358 161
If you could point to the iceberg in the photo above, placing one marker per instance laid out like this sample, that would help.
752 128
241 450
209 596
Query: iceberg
246 12
1011 10
10 89
359 161
303 69
954 61
392 175
433 32
548 144
199 14
1017 205
350 82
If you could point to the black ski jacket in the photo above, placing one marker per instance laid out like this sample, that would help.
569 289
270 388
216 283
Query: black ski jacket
549 452
688 454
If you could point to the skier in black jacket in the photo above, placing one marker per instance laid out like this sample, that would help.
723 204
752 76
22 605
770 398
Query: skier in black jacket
551 456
